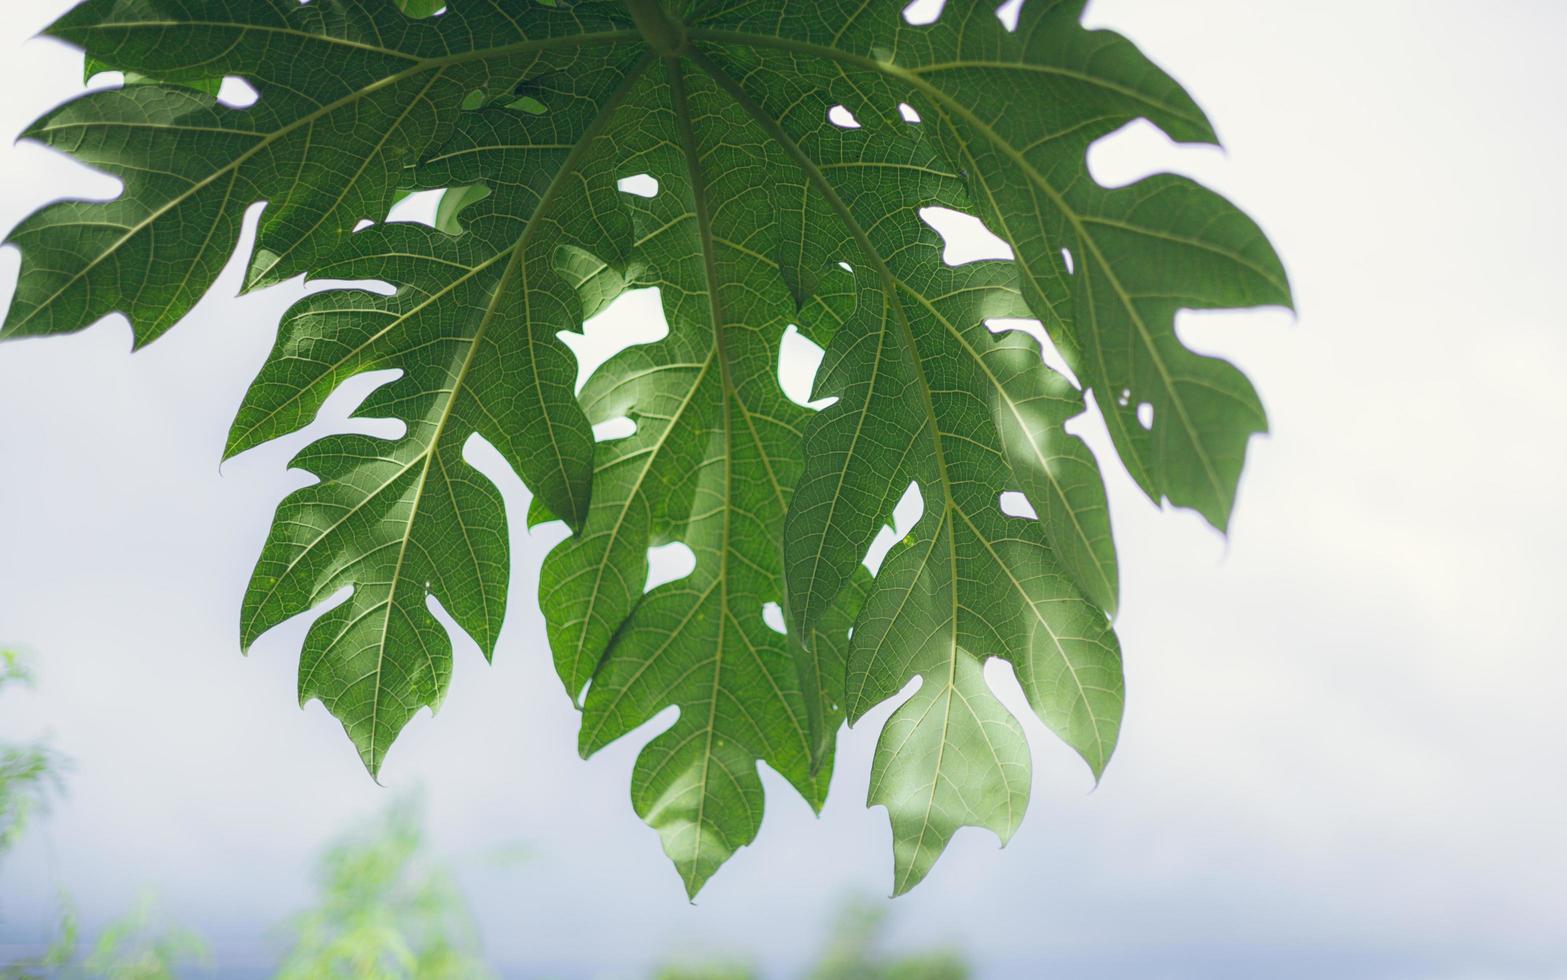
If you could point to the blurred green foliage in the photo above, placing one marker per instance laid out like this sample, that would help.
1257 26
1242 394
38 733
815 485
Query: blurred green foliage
142 947
386 911
29 772
53 961
137 947
854 951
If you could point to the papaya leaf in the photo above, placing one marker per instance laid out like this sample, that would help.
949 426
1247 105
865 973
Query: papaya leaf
789 152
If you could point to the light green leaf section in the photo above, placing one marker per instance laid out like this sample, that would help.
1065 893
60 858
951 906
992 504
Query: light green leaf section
927 395
713 461
770 213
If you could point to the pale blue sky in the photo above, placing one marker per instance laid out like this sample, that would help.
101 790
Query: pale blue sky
1343 746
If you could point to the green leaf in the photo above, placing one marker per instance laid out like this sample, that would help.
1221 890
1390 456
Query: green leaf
774 208
473 315
713 461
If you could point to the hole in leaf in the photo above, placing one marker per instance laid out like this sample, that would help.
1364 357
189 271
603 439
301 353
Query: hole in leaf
772 615
1009 13
846 267
799 358
1014 504
1145 415
841 117
1071 263
363 223
616 428
966 237
236 93
417 208
529 104
907 513
668 563
635 317
908 113
642 185
454 202
1124 398
922 12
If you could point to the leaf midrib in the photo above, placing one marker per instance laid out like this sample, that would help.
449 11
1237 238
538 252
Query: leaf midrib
890 288
1012 407
516 260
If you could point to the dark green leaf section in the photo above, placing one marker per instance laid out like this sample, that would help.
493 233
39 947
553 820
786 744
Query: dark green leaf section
351 93
770 212
471 328
358 103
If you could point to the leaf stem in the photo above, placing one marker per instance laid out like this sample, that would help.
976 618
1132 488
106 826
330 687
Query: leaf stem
666 36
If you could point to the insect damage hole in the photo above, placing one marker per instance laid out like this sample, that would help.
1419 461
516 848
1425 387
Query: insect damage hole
840 116
635 317
641 185
922 12
418 208
617 428
1145 415
1014 504
236 93
668 563
1008 14
772 615
966 237
909 115
907 513
799 358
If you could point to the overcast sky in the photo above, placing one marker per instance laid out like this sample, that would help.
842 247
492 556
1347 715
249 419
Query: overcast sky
1343 747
